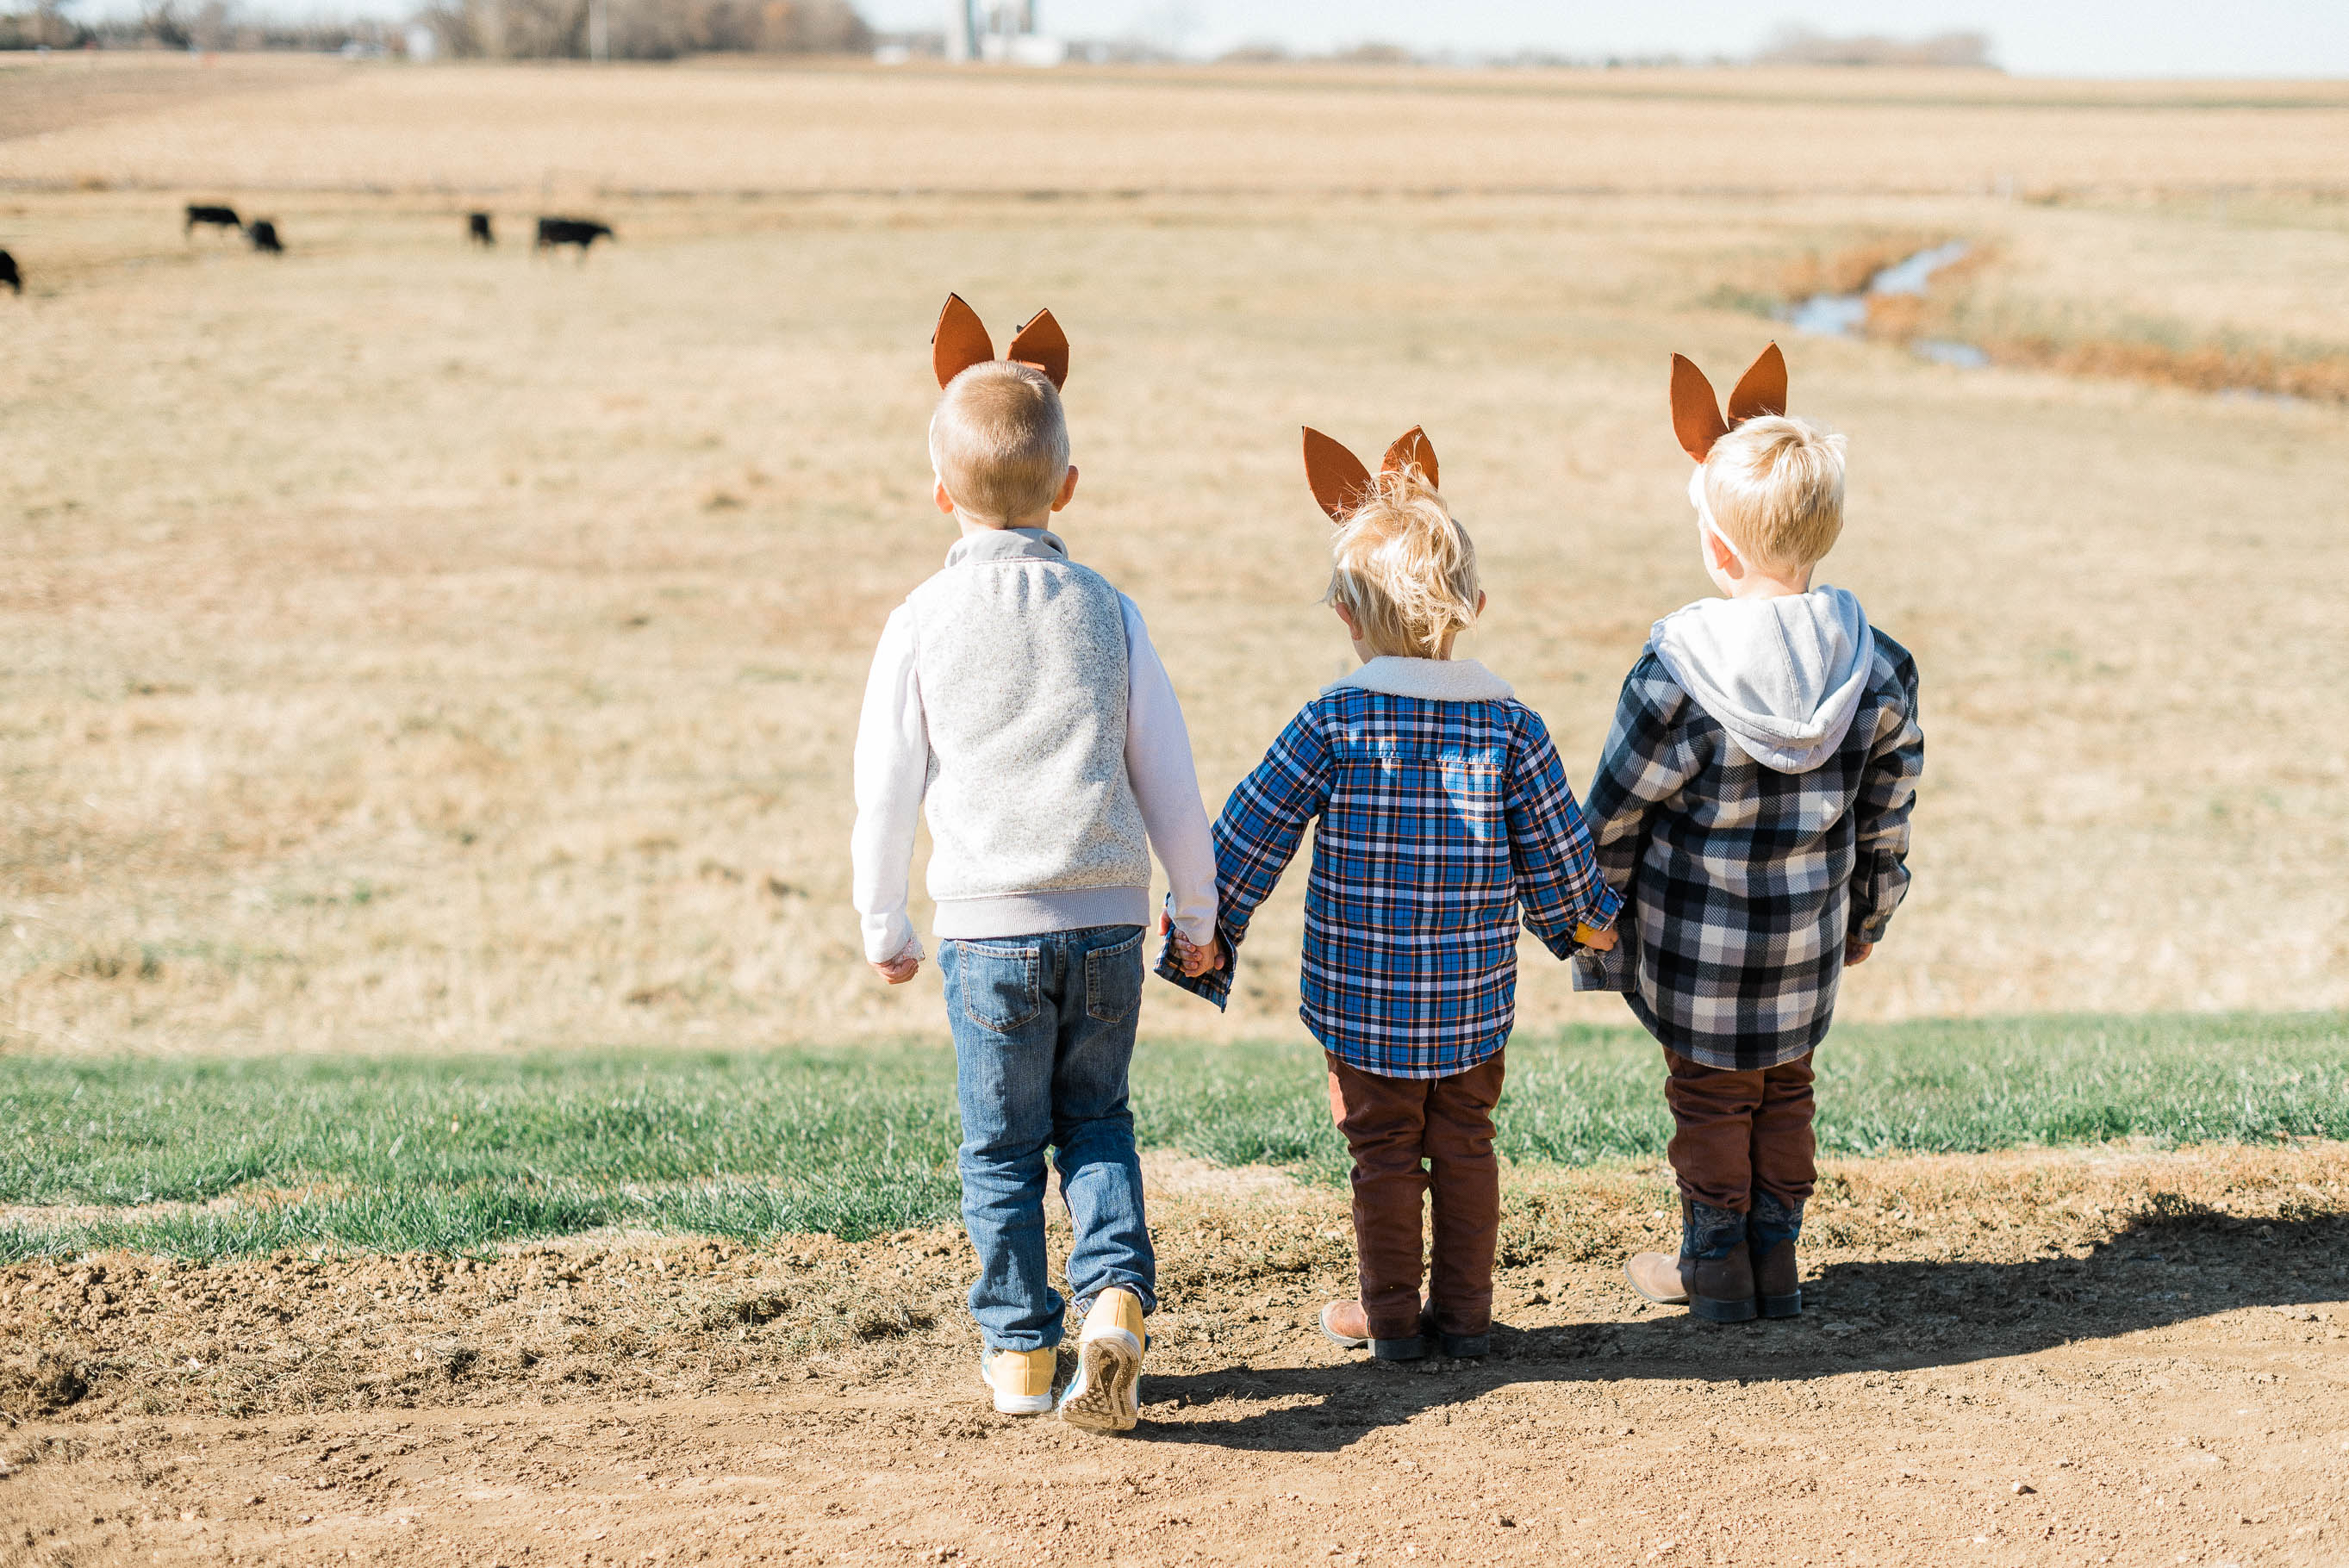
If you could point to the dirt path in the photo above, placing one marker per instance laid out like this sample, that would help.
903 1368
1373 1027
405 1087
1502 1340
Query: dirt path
2142 1360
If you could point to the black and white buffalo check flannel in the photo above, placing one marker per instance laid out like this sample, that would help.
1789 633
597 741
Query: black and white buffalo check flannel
1741 883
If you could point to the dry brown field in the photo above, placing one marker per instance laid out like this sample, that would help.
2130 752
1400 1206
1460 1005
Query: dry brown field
407 644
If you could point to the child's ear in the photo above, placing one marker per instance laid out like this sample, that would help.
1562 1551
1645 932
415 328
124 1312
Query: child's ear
1719 555
1068 489
939 498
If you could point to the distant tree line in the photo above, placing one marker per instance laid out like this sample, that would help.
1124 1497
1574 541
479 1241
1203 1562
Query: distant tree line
1947 51
43 25
647 30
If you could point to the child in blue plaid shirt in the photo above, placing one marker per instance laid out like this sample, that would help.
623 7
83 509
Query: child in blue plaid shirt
1444 817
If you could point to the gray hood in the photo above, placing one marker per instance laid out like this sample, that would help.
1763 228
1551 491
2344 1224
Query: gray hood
1784 675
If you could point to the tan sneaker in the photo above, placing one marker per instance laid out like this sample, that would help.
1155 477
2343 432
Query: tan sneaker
1105 1396
1020 1380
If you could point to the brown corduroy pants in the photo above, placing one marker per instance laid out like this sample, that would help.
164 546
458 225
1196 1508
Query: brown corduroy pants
1735 1131
1414 1136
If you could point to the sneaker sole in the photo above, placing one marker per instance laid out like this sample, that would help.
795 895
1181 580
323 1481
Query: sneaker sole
1107 1396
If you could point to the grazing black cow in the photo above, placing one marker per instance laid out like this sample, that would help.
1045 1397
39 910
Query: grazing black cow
8 273
264 235
579 231
213 217
478 230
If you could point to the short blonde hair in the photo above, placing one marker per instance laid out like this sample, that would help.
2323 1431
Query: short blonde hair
1000 441
1774 489
1403 569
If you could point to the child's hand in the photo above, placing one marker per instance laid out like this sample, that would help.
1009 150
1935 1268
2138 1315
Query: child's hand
1192 959
1855 951
900 969
1597 941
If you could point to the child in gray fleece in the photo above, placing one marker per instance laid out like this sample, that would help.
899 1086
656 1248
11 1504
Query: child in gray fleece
1015 696
1752 810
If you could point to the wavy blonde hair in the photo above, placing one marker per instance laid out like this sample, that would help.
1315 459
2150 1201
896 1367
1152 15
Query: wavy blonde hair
1403 568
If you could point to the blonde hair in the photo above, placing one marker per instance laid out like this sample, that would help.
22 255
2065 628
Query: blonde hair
1403 569
1000 441
1773 488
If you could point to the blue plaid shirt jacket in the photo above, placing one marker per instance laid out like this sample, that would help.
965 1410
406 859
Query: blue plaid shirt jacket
1440 824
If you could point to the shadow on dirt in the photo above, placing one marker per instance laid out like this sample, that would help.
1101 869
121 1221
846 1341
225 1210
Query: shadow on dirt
2176 1263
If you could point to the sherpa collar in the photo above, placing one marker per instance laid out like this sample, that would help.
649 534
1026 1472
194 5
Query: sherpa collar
1431 680
1009 544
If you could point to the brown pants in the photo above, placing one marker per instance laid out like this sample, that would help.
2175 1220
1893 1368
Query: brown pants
1414 1136
1735 1131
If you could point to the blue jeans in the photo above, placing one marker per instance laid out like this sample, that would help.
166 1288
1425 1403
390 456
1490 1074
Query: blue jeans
1043 1031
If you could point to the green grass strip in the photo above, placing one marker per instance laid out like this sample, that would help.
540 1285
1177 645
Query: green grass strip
451 1153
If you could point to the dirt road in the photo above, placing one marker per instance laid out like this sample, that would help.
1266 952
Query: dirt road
2139 1359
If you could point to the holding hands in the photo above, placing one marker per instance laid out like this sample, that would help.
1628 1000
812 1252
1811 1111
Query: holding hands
1191 958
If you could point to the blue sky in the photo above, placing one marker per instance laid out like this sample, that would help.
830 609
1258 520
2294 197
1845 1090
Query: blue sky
2041 37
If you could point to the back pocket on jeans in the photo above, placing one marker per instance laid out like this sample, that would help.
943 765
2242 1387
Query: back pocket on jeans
998 985
1113 980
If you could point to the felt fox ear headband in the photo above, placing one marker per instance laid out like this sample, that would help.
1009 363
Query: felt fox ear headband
1696 417
960 342
1338 479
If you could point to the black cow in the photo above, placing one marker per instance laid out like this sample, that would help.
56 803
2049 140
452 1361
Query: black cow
8 273
213 217
264 235
580 232
478 230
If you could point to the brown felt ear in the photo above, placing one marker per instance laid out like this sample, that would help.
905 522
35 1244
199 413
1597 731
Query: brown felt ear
1336 476
1413 449
959 341
1696 416
1762 389
1043 345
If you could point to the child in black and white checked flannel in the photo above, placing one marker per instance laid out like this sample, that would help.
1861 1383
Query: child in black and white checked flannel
1752 810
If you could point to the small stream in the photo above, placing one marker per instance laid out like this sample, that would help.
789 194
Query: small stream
1846 314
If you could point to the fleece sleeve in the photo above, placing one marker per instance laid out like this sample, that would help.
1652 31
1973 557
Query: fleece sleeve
1166 783
893 766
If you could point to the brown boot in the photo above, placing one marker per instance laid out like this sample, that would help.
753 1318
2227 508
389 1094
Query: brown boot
1657 1276
1345 1323
1770 1233
1716 1267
